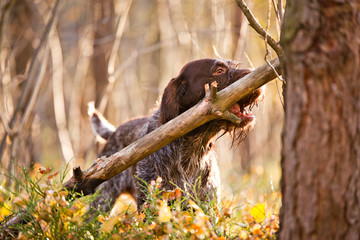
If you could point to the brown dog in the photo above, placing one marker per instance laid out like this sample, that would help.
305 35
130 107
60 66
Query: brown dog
188 159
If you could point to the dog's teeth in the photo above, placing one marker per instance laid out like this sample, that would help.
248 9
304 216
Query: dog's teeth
251 106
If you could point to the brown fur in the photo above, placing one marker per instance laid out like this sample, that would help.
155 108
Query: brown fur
188 158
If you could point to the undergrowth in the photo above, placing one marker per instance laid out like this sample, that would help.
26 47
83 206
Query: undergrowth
54 213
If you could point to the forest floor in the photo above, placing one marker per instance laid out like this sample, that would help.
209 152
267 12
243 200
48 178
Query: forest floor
58 214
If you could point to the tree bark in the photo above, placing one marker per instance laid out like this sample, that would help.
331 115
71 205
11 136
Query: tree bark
321 141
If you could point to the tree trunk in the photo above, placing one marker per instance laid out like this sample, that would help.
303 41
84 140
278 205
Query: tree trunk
103 12
321 141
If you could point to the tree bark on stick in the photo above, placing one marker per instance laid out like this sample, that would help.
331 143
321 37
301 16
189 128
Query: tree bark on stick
206 110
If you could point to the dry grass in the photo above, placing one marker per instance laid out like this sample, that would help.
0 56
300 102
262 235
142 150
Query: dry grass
57 214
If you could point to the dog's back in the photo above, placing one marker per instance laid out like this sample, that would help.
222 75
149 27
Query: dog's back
124 135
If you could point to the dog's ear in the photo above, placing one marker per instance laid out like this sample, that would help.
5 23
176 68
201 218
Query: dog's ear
170 102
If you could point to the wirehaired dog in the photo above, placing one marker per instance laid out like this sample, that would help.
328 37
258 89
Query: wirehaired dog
188 159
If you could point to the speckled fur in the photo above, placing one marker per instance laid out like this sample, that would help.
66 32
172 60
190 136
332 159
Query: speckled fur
186 159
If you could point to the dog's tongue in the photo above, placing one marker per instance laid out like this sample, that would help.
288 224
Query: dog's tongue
235 109
243 114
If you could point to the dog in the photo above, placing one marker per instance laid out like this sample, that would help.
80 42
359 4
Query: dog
188 159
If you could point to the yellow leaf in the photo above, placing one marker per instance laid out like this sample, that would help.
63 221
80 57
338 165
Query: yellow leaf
193 205
101 218
258 212
243 235
139 216
78 209
256 230
186 218
151 226
4 211
108 225
125 203
164 212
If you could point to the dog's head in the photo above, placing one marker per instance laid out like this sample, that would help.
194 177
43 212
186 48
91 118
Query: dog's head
186 90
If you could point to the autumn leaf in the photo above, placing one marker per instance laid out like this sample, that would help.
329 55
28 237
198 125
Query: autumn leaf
109 223
193 205
139 215
227 208
101 218
4 211
256 230
258 212
44 170
164 212
52 175
177 193
151 226
78 209
243 234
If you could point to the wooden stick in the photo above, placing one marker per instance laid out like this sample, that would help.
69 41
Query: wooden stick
206 110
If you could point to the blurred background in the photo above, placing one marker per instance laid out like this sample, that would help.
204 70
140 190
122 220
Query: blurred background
56 56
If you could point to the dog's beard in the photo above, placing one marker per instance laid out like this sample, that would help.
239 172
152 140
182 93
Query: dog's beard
237 133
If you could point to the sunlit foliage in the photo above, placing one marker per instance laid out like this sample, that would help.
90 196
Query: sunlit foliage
55 213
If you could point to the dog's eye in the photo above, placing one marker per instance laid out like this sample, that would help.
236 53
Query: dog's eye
220 70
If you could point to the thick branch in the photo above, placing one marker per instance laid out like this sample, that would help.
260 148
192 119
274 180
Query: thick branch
206 110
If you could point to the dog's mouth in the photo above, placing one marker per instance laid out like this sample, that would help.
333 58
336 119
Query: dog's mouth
242 109
243 113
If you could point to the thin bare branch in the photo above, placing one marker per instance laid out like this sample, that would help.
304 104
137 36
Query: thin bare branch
280 9
259 29
78 82
27 89
58 95
279 14
268 53
7 128
5 6
113 54
134 55
39 80
275 71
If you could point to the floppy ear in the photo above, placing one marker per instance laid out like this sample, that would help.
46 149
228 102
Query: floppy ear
170 104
